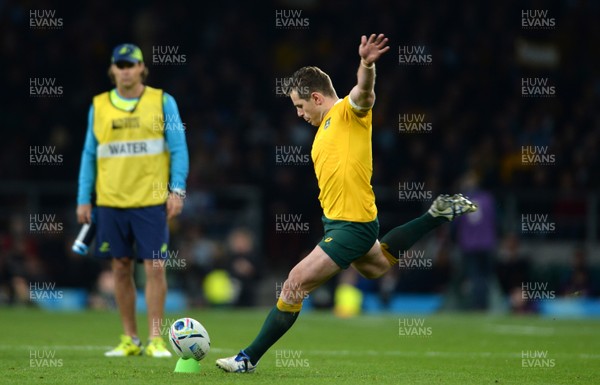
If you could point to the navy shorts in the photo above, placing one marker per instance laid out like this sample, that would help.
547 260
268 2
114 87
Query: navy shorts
119 230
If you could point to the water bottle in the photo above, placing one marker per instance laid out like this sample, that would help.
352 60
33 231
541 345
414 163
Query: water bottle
84 238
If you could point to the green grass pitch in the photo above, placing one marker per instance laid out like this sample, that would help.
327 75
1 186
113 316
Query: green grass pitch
39 347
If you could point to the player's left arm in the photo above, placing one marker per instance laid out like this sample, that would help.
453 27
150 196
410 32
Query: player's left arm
179 157
362 96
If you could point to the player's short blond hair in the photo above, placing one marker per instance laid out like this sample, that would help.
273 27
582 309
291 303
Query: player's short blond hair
311 79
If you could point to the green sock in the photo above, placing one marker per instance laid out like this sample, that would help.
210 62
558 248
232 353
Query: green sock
402 238
277 323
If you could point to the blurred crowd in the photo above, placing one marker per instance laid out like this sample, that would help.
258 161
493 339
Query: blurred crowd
226 90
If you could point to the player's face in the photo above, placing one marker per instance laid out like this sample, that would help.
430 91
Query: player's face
307 109
127 74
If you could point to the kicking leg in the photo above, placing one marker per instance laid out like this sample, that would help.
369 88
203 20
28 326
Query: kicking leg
444 209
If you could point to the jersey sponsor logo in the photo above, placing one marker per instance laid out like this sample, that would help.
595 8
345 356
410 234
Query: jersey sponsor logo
131 122
328 239
327 123
131 148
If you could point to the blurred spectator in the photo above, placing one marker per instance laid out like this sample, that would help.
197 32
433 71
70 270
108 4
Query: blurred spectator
476 238
577 280
443 270
20 263
202 255
103 295
569 208
513 269
241 252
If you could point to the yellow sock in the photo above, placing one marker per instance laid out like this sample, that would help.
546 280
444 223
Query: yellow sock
285 307
391 259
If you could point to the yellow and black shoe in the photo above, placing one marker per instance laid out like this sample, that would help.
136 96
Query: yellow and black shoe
127 347
157 348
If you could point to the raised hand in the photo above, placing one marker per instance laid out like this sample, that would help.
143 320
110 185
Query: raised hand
372 48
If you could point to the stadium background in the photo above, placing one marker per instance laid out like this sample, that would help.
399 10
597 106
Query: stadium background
236 123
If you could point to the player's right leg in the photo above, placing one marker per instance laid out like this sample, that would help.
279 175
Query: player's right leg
444 209
306 276
113 241
382 256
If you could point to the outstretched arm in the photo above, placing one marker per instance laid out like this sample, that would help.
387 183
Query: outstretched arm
362 95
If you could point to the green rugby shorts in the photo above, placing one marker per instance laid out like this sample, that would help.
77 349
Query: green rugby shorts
346 241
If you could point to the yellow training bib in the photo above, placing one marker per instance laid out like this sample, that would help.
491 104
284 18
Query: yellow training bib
132 156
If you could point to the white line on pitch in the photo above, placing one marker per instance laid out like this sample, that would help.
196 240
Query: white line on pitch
327 352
